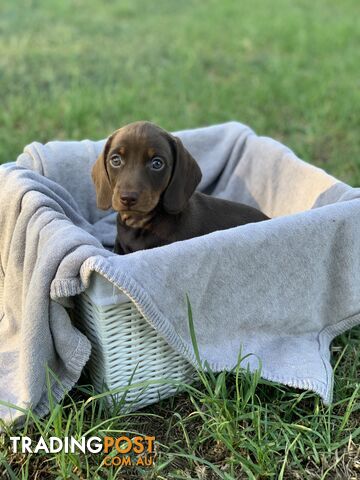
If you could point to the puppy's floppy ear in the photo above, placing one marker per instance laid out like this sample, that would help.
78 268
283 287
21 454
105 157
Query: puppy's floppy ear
186 176
101 178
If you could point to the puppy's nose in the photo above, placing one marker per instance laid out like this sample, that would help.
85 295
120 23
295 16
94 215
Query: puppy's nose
128 199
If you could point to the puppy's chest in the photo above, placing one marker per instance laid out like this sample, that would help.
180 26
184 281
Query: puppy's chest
131 239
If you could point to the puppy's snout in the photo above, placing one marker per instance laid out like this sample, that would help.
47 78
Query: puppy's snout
129 199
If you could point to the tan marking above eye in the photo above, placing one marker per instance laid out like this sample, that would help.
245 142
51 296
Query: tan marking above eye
122 151
151 152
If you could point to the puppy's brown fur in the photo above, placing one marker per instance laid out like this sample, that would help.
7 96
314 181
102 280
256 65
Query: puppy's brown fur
158 206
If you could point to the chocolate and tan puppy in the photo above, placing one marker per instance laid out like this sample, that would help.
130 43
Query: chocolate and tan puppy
149 178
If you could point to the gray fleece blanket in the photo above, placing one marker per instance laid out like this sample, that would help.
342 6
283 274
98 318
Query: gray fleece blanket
280 290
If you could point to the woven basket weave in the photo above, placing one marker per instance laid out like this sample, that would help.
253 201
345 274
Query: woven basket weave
126 349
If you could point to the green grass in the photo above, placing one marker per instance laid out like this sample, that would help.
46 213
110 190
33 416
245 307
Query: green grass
228 425
73 70
80 69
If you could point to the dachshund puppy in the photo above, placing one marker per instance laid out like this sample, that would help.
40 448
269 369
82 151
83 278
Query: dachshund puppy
149 178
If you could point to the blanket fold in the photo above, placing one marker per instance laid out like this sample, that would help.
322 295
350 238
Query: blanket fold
280 290
41 229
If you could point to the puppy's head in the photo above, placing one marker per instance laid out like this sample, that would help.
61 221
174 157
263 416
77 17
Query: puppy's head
141 167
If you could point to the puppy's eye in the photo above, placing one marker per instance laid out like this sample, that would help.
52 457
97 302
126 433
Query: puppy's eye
116 160
157 163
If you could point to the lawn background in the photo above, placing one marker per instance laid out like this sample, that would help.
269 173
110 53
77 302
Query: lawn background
289 69
79 69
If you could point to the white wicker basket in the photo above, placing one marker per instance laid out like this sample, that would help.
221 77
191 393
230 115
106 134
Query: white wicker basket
125 348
